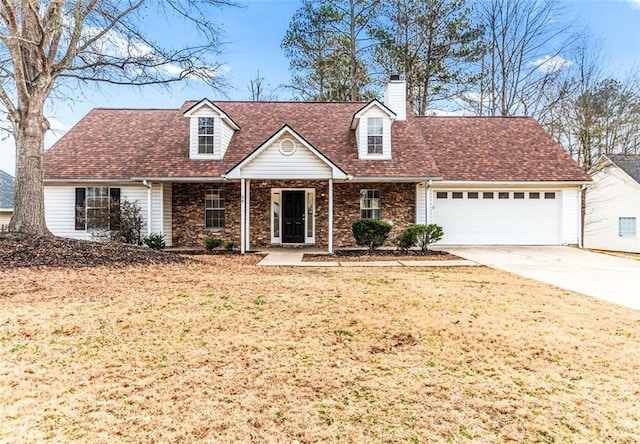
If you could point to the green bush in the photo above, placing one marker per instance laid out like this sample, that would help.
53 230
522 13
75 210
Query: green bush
155 241
228 245
211 243
371 233
427 234
407 238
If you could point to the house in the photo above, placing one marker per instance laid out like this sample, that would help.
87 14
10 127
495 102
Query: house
7 189
299 173
613 204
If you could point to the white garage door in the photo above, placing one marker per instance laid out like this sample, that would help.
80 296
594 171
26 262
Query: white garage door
499 217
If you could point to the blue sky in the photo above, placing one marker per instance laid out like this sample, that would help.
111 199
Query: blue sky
253 34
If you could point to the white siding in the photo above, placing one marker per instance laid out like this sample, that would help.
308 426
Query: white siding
60 201
156 208
167 223
571 205
271 164
362 129
5 217
222 134
424 196
395 98
613 194
499 221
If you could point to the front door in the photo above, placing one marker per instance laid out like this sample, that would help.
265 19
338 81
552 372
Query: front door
293 217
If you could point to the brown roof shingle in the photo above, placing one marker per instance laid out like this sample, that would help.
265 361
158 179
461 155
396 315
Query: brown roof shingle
125 143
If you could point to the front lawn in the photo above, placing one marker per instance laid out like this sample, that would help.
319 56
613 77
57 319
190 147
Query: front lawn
224 351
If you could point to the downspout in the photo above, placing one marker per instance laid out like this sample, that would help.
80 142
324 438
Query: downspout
149 208
582 199
427 187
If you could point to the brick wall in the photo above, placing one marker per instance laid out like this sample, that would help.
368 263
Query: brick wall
188 214
398 203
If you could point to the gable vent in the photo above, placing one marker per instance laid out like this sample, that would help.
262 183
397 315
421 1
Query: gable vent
287 147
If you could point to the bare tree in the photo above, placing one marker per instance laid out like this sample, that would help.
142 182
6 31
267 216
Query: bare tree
594 114
259 91
46 43
525 43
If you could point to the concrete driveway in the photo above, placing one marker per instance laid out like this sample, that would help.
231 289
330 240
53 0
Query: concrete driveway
601 276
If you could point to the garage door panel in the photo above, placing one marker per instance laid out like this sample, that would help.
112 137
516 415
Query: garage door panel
499 221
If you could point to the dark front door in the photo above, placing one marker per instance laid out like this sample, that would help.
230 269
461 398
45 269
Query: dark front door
293 217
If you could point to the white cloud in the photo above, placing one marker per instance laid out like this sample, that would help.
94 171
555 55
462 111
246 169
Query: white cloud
634 3
549 64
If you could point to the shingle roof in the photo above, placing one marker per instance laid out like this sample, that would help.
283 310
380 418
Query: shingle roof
7 188
125 143
630 164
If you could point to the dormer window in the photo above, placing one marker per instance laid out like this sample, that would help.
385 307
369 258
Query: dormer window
205 135
374 135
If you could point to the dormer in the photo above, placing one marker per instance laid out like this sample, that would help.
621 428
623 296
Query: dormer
210 131
372 125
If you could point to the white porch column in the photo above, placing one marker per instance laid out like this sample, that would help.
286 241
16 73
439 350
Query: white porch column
247 231
161 231
426 203
242 217
149 186
330 215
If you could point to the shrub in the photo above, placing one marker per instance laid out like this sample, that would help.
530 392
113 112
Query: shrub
211 243
427 234
407 238
155 241
121 222
228 245
371 233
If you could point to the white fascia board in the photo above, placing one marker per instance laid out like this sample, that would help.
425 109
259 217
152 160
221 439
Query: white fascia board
596 166
180 179
6 210
395 179
89 180
207 102
510 184
375 102
236 171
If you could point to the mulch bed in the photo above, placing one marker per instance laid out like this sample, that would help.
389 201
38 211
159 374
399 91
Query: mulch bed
19 250
361 255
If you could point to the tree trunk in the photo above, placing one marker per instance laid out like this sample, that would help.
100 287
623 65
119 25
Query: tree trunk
28 214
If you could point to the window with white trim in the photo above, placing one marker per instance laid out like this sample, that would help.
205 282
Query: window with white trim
627 227
374 135
370 204
205 135
97 208
214 210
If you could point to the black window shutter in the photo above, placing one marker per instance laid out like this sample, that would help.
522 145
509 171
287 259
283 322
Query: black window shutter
81 223
114 222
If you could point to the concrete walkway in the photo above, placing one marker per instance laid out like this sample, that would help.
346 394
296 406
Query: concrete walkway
610 278
285 257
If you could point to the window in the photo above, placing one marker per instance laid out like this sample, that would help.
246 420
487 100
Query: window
374 135
534 195
472 195
214 211
370 204
441 195
205 135
549 195
310 199
627 227
97 208
487 195
456 195
518 195
503 195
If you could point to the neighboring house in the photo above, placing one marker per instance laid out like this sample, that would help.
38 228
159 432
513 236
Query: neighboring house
277 173
613 204
7 189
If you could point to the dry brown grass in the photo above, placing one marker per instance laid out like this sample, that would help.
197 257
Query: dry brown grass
224 351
